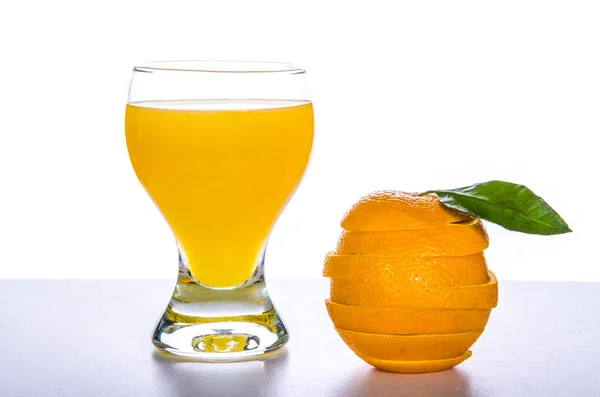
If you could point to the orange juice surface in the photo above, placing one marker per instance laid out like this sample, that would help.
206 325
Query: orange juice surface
220 173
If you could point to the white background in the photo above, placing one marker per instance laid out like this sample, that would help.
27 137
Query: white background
408 96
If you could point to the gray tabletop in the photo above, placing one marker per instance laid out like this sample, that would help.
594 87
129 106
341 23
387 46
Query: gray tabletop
92 338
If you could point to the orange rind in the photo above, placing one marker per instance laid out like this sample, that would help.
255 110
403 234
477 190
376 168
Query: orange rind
381 294
416 367
406 321
413 270
458 240
392 210
408 347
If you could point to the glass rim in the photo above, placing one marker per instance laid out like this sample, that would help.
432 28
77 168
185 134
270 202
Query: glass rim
218 66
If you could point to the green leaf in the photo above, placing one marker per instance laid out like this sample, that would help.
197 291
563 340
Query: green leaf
514 207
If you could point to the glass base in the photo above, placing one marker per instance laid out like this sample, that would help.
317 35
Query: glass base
219 324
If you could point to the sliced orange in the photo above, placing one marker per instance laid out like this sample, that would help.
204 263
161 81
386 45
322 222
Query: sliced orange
433 271
406 321
456 240
392 210
382 294
416 367
408 347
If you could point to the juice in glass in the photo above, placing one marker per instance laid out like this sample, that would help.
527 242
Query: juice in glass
220 172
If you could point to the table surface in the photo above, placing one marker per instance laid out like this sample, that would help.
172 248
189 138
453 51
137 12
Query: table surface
92 338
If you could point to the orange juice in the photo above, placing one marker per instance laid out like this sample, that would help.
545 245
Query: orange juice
220 172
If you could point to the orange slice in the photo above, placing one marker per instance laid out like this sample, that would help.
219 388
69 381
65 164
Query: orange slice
392 210
433 271
405 321
408 347
456 240
416 367
382 294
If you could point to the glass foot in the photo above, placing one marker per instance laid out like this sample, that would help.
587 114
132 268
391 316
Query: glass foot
219 325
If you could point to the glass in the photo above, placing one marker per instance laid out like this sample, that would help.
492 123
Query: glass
220 147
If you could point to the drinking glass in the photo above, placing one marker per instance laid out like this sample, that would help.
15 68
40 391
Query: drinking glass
220 147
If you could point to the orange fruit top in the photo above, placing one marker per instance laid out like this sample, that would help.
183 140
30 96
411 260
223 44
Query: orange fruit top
392 210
